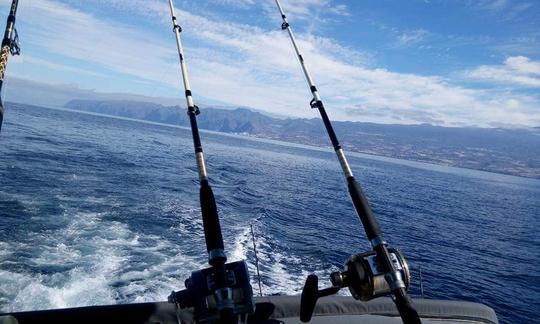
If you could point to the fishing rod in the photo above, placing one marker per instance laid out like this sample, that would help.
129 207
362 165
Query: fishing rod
370 274
10 45
223 291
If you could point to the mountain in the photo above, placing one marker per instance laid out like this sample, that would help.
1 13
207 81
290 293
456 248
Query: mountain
509 151
240 120
31 92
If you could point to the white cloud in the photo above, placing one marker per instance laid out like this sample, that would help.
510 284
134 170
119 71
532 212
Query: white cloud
517 71
411 37
493 5
246 65
505 9
523 65
91 41
314 12
237 3
305 9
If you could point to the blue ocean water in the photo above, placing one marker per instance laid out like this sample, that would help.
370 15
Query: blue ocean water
100 210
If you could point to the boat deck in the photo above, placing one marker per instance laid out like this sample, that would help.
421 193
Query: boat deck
274 309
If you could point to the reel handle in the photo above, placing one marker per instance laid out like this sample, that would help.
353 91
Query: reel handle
310 295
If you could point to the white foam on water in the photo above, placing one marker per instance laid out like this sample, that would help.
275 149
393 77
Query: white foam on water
281 271
93 260
84 243
274 265
5 251
156 282
90 262
88 199
241 245
78 287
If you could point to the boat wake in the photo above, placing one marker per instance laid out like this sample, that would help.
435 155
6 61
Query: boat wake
89 259
115 218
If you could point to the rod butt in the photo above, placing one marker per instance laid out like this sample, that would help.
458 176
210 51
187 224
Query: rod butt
212 228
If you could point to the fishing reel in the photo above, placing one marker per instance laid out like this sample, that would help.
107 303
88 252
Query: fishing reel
208 301
363 276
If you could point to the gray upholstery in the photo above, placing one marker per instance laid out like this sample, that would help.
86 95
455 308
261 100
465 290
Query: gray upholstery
381 310
275 309
8 320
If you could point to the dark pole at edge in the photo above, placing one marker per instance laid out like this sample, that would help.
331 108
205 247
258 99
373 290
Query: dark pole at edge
6 50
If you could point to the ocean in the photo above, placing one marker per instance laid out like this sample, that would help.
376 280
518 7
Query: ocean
100 210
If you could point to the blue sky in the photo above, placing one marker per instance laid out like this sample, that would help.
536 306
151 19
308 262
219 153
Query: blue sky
452 63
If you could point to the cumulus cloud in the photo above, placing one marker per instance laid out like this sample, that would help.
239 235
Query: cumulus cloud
523 65
516 71
245 65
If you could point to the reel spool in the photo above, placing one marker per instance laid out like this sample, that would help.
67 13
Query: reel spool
207 301
365 278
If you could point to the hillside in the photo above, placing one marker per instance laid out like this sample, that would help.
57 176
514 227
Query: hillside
510 151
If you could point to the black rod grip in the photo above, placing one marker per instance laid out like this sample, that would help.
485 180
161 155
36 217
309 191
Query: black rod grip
402 300
226 316
371 225
212 228
408 314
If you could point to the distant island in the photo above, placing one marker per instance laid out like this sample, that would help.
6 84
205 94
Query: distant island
508 151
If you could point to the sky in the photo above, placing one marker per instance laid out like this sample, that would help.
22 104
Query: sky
443 62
